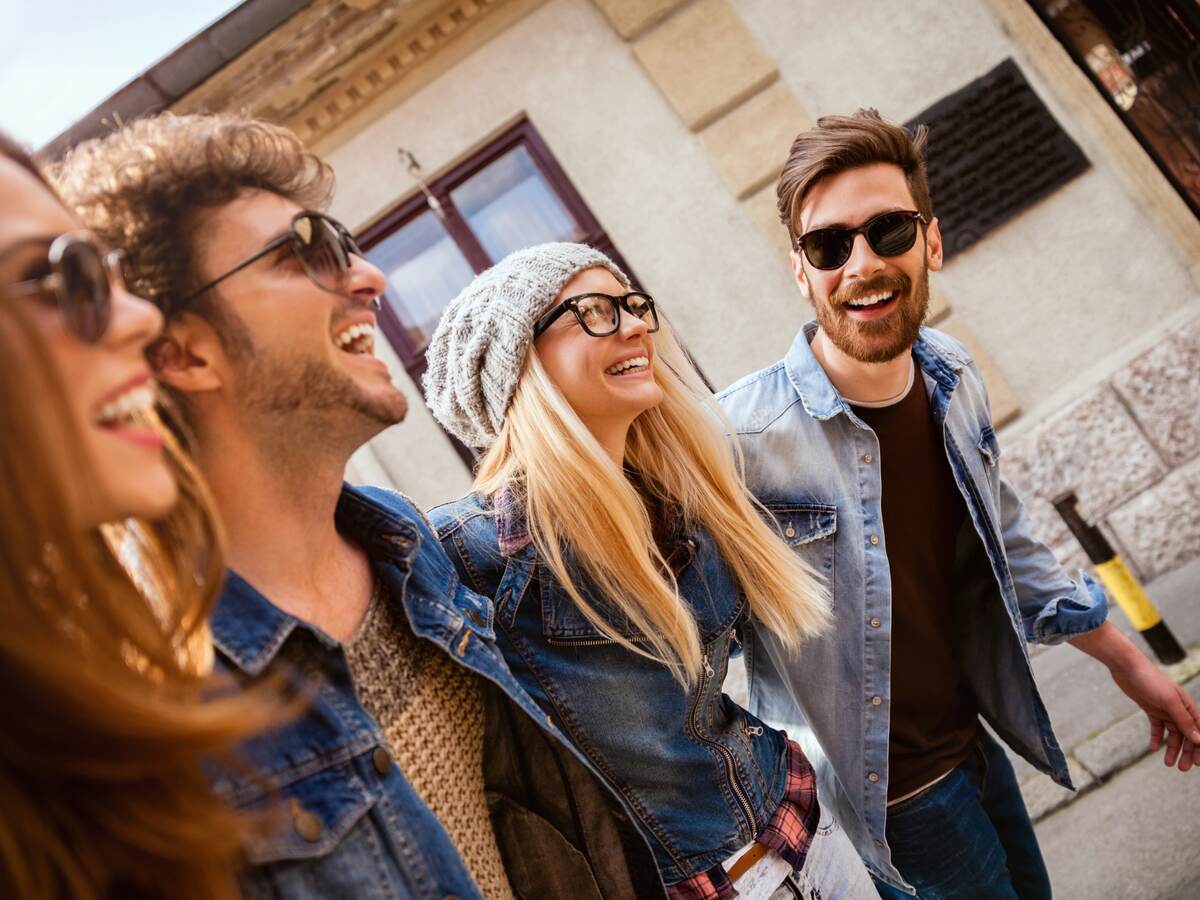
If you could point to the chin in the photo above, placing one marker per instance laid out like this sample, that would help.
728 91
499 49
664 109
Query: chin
151 496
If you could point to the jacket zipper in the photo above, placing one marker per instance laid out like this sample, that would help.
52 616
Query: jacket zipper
730 768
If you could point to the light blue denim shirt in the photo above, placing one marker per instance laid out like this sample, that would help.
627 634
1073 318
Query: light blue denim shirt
815 465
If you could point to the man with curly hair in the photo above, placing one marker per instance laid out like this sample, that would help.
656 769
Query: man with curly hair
268 355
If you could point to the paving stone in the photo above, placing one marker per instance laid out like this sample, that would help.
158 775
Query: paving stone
763 211
1116 747
1162 387
629 18
1043 796
705 61
1093 447
1160 528
750 143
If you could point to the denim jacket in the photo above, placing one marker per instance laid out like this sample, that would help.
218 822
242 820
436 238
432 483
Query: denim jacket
352 824
815 465
699 775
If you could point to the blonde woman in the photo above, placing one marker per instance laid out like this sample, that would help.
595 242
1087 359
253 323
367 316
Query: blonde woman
610 526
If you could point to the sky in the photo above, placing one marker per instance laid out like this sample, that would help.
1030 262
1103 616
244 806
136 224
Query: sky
59 58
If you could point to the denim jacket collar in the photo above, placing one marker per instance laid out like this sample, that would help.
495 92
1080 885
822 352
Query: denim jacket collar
821 399
249 629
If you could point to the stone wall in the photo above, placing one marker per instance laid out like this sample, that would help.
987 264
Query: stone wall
1130 449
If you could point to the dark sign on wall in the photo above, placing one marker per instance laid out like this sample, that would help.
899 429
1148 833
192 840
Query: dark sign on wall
994 150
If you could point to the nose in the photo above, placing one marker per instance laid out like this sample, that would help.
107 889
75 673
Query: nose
630 326
366 281
863 263
134 321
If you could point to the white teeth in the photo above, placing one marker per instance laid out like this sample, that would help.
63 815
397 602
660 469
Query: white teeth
137 400
869 299
343 339
638 362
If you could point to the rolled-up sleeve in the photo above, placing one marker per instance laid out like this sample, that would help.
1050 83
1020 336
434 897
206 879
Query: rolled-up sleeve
1053 607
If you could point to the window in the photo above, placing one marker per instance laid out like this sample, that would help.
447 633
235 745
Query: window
1141 55
511 194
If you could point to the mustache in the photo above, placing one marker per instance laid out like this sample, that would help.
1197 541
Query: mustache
882 283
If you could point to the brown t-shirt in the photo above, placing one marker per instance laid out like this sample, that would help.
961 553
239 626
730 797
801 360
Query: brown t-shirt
934 718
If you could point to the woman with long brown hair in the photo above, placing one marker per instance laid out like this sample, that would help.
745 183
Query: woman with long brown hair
109 562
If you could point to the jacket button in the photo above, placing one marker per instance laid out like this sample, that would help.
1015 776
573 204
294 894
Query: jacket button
790 531
382 761
875 701
308 826
874 539
476 618
867 457
872 777
875 622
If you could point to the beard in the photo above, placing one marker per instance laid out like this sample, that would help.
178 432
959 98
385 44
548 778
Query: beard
876 340
291 397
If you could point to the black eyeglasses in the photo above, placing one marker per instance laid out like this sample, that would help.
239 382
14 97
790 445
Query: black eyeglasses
599 314
82 279
889 234
322 244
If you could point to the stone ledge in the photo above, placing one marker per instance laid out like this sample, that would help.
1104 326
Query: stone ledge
1161 387
1043 796
1092 447
630 18
705 61
1160 527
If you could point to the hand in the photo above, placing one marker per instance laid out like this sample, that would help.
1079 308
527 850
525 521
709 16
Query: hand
1172 713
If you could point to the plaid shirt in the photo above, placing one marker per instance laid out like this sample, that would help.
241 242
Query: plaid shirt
789 833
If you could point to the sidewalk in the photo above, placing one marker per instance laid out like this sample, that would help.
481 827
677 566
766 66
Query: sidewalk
1098 727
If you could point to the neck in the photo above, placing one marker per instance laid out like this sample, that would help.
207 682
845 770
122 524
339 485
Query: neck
277 503
859 381
612 436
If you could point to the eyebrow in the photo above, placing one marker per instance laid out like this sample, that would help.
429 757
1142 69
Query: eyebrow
878 212
22 243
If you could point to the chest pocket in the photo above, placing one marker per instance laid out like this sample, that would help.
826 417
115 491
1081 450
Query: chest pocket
810 529
564 622
320 840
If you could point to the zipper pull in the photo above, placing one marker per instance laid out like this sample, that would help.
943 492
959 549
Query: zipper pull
754 730
708 669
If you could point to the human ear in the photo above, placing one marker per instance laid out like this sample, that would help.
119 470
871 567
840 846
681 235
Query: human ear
933 245
801 275
188 357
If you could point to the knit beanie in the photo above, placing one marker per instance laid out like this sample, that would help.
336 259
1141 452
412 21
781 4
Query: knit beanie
475 356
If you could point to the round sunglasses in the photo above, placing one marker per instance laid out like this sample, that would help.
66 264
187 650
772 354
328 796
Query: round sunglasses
599 314
82 279
889 234
322 244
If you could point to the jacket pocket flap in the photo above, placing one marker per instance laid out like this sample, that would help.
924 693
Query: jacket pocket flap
308 817
802 523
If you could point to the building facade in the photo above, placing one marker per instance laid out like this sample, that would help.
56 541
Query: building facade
460 129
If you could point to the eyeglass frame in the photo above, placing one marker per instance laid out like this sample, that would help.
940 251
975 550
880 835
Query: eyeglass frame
855 232
52 282
619 302
349 245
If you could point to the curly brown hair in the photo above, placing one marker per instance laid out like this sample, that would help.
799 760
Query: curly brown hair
149 185
838 143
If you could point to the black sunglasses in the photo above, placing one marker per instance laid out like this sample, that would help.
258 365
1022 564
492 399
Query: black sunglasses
889 234
82 279
599 314
322 244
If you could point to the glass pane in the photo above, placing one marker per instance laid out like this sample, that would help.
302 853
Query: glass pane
425 270
510 205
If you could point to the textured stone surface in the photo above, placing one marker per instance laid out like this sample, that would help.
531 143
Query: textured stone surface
1003 401
631 17
705 61
1162 388
750 143
939 306
1072 557
1043 796
1092 447
1160 528
1116 747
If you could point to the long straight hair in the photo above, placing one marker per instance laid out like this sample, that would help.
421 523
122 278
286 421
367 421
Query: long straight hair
107 714
577 497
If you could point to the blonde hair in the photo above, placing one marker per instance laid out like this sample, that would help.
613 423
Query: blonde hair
576 496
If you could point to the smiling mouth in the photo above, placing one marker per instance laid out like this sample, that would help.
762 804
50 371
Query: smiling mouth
134 407
357 340
629 366
868 302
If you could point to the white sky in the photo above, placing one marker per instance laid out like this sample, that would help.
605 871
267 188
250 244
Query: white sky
59 58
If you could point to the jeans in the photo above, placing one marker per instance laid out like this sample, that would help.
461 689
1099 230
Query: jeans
832 870
969 835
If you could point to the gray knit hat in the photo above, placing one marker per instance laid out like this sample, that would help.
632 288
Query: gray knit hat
475 356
